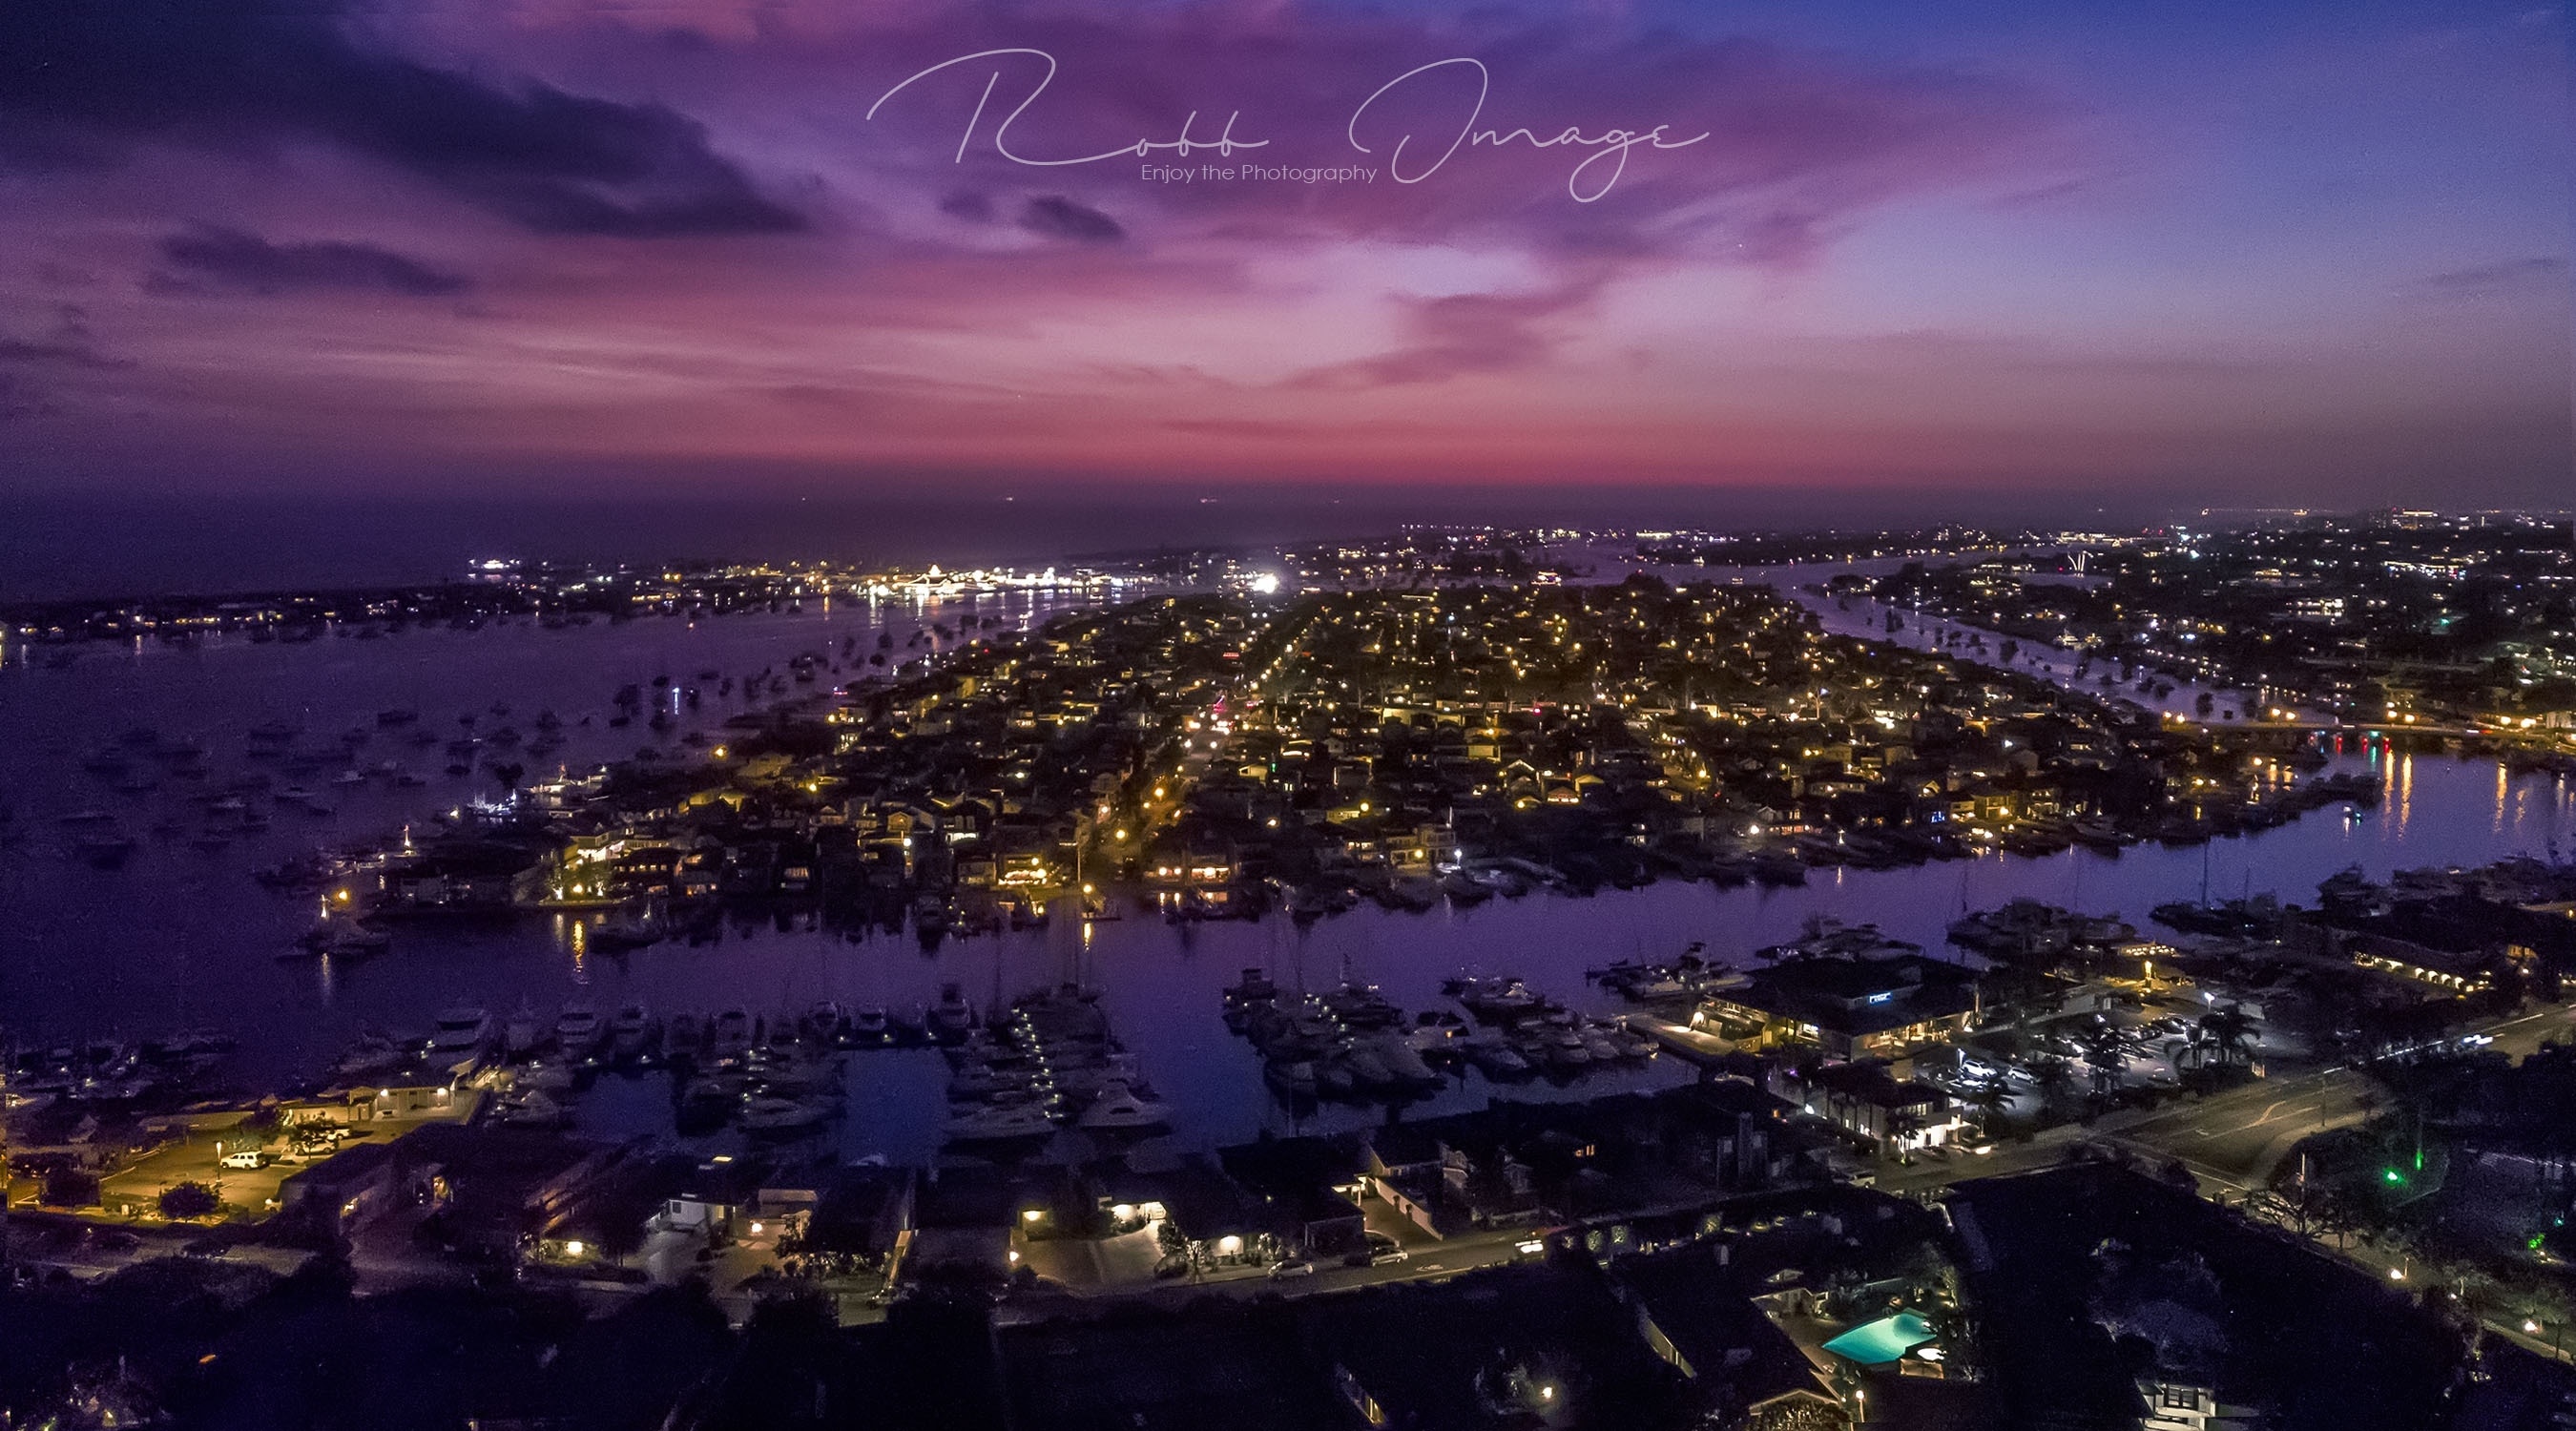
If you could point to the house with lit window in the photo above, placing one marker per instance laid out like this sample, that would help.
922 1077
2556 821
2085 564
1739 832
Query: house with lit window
1871 1100
1847 1008
2182 1406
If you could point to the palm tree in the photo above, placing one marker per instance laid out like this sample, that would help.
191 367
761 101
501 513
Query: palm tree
1902 1124
2102 1054
2226 1031
2053 1075
1989 1099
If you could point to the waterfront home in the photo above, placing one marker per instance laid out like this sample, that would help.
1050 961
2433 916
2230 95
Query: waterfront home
1602 1162
1192 857
1848 1007
467 876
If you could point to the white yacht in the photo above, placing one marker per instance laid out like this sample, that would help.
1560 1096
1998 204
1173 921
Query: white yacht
1497 1058
729 1035
1291 1075
463 1029
783 1116
1119 1108
519 1035
951 1016
1001 1122
533 1108
348 939
552 1078
578 1031
627 1031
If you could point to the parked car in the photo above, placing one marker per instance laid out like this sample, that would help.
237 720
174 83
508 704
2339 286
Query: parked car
1382 1248
249 1158
1292 1267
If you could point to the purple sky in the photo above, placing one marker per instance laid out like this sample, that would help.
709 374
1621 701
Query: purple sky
2270 253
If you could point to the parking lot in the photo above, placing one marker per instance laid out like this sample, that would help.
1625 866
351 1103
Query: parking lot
2156 1044
135 1191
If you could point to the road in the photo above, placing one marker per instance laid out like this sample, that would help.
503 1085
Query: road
2234 1139
2238 1137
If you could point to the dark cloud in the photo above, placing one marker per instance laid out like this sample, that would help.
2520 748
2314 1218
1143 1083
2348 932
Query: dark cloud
34 368
1058 217
69 344
19 400
969 205
2487 278
52 352
1461 334
229 258
80 82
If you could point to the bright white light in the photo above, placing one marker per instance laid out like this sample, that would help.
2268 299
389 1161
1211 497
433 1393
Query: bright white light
1265 584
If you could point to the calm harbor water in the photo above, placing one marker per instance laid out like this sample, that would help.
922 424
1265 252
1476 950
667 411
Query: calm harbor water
183 936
